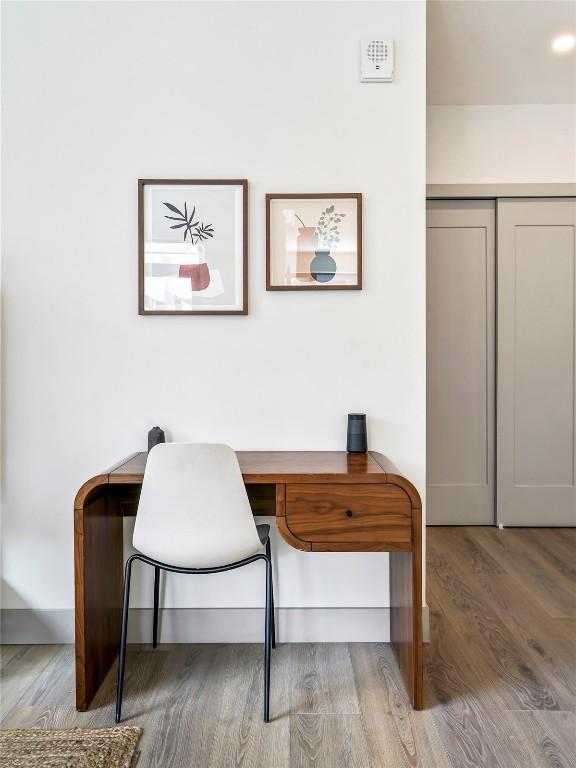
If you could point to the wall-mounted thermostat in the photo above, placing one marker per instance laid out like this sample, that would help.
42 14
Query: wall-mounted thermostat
377 60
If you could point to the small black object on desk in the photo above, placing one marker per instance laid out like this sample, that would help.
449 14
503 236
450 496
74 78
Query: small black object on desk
155 436
357 440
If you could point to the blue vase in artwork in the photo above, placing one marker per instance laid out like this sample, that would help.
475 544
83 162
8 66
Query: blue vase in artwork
323 267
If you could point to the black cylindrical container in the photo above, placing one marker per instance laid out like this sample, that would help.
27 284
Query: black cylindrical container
155 436
357 441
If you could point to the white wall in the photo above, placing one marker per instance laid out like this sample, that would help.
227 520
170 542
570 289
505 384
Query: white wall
520 143
97 95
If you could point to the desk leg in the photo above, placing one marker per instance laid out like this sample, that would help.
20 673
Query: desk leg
98 586
406 633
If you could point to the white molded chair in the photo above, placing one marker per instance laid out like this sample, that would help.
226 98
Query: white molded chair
194 517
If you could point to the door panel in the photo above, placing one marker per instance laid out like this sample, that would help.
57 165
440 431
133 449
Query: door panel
536 362
460 362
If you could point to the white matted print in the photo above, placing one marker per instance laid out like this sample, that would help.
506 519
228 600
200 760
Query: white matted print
193 247
313 241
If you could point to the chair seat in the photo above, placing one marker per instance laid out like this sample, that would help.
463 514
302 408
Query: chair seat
263 532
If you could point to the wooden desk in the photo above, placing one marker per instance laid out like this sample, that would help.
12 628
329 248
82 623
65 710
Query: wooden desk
322 502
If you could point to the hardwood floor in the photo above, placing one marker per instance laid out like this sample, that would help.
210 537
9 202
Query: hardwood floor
500 678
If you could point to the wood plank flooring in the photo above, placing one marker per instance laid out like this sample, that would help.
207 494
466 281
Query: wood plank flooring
500 678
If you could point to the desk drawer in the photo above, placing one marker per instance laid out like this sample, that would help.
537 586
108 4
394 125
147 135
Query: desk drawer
356 513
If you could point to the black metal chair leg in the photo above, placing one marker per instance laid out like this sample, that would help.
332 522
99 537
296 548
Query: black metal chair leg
123 636
156 602
269 629
268 554
267 640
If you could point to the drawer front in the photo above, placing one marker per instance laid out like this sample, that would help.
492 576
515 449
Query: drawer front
361 513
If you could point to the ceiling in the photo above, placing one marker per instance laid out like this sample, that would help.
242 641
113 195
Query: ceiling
499 52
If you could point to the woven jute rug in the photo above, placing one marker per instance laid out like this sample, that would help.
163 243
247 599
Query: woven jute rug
76 748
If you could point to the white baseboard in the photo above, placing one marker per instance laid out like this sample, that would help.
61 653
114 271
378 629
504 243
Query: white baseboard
27 626
245 625
211 625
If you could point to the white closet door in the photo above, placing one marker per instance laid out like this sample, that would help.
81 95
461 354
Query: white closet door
460 362
536 379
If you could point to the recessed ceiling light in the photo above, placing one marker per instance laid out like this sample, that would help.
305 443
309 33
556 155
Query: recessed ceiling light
563 43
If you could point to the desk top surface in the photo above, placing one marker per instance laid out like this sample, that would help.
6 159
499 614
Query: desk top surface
275 467
281 466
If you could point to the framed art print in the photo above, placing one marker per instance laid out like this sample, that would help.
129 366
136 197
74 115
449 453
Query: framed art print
192 247
314 242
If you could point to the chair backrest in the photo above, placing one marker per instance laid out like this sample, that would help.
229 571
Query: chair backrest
194 511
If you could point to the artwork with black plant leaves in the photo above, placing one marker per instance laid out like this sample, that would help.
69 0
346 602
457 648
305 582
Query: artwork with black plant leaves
197 231
193 247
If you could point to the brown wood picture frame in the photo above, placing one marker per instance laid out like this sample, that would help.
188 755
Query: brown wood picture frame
243 183
357 196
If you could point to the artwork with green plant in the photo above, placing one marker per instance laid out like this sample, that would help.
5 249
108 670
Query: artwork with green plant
196 229
328 230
